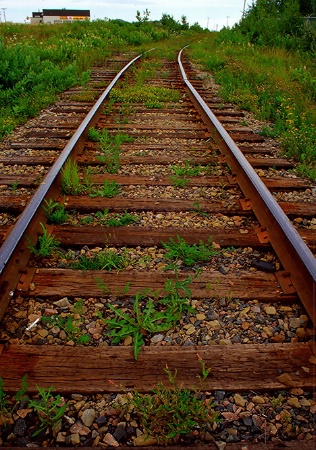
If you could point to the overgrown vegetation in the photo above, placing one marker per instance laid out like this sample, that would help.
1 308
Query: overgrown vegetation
38 62
135 89
150 96
267 66
166 413
280 23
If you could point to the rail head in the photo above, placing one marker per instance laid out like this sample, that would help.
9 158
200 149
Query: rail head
292 251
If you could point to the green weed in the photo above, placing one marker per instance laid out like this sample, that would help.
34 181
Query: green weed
55 212
21 393
173 298
118 220
145 320
3 401
105 289
179 249
276 402
205 370
87 220
169 412
198 209
70 325
111 149
110 189
84 96
104 260
47 244
50 409
121 220
14 185
94 135
137 325
187 170
108 107
151 95
177 181
9 407
71 183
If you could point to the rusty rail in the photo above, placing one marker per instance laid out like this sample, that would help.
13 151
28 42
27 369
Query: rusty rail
292 251
14 253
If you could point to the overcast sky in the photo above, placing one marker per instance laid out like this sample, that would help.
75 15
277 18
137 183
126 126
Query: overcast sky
213 14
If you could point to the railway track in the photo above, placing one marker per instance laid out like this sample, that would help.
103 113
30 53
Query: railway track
192 226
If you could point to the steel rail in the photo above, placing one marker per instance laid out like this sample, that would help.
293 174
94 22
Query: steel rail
13 247
292 251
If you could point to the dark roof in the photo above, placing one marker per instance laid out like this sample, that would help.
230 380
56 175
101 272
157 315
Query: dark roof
66 12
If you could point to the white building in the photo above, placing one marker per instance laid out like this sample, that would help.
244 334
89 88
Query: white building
60 15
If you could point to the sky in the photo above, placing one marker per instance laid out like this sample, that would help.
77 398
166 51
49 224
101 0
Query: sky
212 14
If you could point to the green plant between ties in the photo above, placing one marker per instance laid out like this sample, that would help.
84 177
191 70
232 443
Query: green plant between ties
178 249
178 181
55 212
145 320
110 146
118 220
70 179
50 409
47 244
94 135
187 170
70 325
107 259
177 294
167 413
109 189
14 185
3 401
7 408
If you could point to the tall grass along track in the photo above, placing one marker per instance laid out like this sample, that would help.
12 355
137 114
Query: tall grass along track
157 264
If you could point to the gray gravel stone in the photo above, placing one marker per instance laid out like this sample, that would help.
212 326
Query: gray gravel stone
88 417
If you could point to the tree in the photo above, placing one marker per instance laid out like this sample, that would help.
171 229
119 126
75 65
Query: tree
169 22
184 23
145 17
279 23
